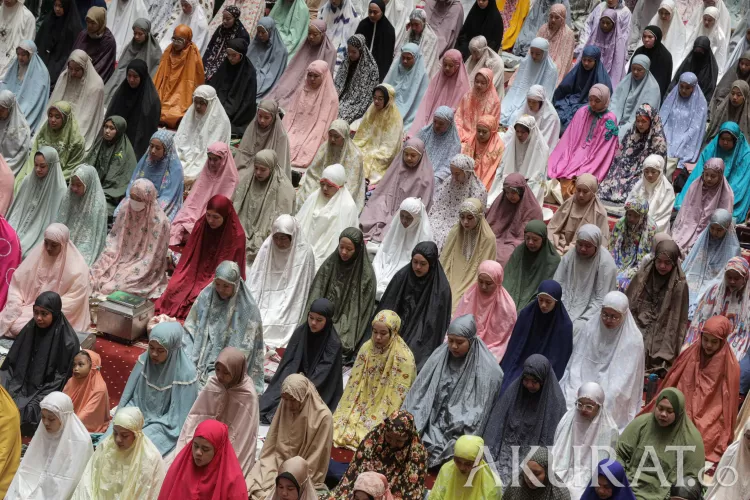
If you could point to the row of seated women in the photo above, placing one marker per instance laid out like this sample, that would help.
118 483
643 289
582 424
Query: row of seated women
401 425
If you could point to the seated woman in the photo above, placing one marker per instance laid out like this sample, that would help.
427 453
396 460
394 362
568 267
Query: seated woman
337 148
11 261
280 280
610 33
421 295
208 466
732 460
180 73
229 397
205 122
379 35
341 22
703 198
586 274
441 142
163 385
654 187
586 425
217 177
410 175
10 425
82 87
631 240
534 479
446 88
98 42
479 19
540 108
310 113
734 107
265 132
37 200
509 214
356 80
573 91
54 265
658 296
652 44
114 161
485 147
409 78
292 18
560 37
294 475
134 259
347 279
60 132
583 207
481 100
326 213
537 68
57 455
380 133
127 450
313 351
27 77
644 139
409 227
621 20
534 396
236 86
639 88
449 403
452 480
83 211
268 55
589 143
533 261
231 28
609 350
137 102
667 429
392 448
302 427
39 361
732 147
15 135
56 33
382 375
705 263
88 391
709 375
161 166
469 243
491 306
482 56
700 61
684 113
217 237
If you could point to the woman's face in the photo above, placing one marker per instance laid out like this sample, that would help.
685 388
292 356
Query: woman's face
178 44
522 133
555 21
711 178
710 344
352 52
638 71
395 440
139 36
214 219
606 24
282 241
335 139
468 220
458 175
533 242
611 318
23 57
203 450
420 265
585 249
734 280
736 97
109 131
261 172
416 26
227 20
233 57
407 60
42 317
458 346
480 83
686 90
483 134
54 119
91 26
316 322
314 36
381 335
597 104
588 63
648 39
546 303
440 126
482 4
531 384
224 288
665 15
642 124
286 490
223 375
485 285
313 80
583 195
664 265
124 438
52 247
264 119
587 408
214 162
346 249
708 22
75 70
134 79
378 99
81 366
449 67
405 218
633 218
664 412
512 195
261 34
726 141
651 174
200 105
156 150
187 9
58 8
374 13
536 54
41 167
77 187
603 488
716 231
533 104
157 353
411 157
328 190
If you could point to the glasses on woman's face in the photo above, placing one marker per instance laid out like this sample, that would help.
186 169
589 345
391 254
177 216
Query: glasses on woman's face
610 317
177 39
585 407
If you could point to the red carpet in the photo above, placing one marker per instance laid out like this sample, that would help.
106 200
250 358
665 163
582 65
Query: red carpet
117 363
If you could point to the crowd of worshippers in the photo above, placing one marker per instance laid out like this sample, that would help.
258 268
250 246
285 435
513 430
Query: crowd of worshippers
356 191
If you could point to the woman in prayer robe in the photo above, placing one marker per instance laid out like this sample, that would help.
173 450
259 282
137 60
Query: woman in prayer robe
483 57
19 24
533 261
231 28
409 79
654 187
98 42
537 68
638 88
383 372
481 100
124 265
701 62
29 81
445 17
265 131
586 274
120 16
661 59
302 427
441 142
525 415
56 36
10 445
235 82
734 107
379 134
88 391
631 240
611 34
622 25
733 464
12 259
292 18
537 19
40 360
356 80
560 37
683 115
15 135
268 55
740 70
140 469
610 352
453 392
163 385
180 73
380 36
481 20
540 108
451 482
57 455
341 21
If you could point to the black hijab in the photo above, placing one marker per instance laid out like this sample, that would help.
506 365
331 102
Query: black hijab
315 355
383 45
39 362
703 65
140 107
487 22
236 86
55 37
423 304
660 57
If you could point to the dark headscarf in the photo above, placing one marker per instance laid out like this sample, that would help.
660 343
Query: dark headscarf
526 270
103 49
140 107
40 361
236 86
691 489
380 38
661 60
487 22
616 471
573 91
350 286
217 47
55 38
548 334
423 304
525 419
703 65
317 356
